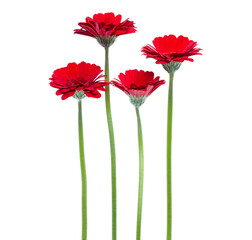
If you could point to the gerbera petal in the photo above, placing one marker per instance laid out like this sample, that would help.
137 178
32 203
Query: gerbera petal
58 92
118 19
67 95
119 85
109 18
82 32
94 94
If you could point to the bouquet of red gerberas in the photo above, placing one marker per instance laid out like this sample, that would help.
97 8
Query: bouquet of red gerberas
86 80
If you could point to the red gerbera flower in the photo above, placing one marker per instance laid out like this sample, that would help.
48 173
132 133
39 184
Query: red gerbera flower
137 85
105 28
78 80
170 48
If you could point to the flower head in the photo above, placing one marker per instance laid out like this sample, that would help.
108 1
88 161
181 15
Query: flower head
137 85
171 49
78 80
105 28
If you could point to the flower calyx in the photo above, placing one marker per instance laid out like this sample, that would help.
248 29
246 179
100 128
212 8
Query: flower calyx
106 42
172 67
137 101
79 95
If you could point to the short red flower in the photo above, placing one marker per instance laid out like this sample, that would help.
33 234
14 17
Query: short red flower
171 49
105 27
137 84
78 78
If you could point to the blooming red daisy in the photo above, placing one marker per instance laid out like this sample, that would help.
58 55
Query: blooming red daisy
170 49
78 80
137 85
105 28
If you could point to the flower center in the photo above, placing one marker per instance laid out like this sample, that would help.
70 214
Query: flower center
76 82
134 86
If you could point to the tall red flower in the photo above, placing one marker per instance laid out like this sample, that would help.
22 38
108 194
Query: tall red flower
105 28
170 48
137 85
78 80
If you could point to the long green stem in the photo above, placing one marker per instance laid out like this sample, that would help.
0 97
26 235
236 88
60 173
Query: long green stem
112 145
169 149
141 176
83 173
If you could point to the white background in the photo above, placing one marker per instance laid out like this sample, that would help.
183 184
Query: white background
212 157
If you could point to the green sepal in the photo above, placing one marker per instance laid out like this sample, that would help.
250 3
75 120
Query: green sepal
79 95
137 101
106 41
172 67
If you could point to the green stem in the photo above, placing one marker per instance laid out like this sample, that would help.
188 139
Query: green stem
141 176
112 145
83 173
169 145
